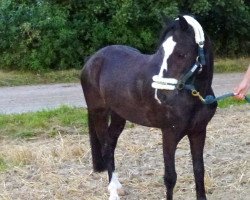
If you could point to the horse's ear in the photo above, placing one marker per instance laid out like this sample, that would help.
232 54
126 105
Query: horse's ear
183 23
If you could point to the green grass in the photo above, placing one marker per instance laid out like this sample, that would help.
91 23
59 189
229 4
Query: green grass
15 78
3 165
230 102
64 120
226 65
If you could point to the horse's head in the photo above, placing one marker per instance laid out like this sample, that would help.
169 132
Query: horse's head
182 54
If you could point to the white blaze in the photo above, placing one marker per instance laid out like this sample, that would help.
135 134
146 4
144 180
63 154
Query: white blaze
114 185
168 47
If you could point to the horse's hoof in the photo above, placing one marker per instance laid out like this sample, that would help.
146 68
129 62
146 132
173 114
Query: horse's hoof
122 192
114 198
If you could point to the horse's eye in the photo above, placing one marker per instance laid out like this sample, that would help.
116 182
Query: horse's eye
181 55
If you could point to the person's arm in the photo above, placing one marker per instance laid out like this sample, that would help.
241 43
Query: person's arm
241 91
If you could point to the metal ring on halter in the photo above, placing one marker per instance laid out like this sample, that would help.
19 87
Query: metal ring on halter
197 94
180 85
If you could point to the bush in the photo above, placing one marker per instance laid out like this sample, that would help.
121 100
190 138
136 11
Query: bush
226 21
36 37
52 34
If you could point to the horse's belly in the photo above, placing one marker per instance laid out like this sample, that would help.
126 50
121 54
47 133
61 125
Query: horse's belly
139 115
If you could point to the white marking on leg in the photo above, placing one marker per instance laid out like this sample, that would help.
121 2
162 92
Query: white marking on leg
113 187
168 47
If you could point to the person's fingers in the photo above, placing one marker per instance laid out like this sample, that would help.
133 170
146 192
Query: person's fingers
239 96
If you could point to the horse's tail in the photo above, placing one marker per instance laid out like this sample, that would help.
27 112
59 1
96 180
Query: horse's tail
90 85
99 163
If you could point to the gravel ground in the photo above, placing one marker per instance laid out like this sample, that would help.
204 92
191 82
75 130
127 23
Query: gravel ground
33 98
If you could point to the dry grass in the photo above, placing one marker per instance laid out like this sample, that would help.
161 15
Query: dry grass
60 167
15 78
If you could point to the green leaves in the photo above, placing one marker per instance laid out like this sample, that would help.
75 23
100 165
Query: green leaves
37 37
41 35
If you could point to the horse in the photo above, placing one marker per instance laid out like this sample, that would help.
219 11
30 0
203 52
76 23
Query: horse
162 90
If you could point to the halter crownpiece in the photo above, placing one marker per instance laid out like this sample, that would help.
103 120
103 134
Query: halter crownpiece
199 37
199 34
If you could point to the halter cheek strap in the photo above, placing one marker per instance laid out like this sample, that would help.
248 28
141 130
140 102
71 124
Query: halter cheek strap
201 53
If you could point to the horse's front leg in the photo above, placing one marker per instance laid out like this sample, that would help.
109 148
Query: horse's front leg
169 147
197 142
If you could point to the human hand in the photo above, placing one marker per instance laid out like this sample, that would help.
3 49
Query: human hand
241 91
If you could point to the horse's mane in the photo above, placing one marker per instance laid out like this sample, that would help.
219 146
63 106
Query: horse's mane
169 25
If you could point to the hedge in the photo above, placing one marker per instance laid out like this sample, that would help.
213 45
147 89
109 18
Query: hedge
58 34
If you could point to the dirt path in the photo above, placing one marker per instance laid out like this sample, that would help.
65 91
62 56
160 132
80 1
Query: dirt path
33 98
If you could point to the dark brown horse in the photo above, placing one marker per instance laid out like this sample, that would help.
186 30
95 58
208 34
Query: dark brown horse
158 90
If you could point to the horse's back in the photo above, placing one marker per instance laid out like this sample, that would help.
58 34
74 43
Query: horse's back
116 62
112 69
108 54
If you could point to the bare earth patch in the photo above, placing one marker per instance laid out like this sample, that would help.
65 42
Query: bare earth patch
60 167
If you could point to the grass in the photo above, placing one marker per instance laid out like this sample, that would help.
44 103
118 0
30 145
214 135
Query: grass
16 78
38 126
226 65
62 166
3 164
47 123
64 120
230 102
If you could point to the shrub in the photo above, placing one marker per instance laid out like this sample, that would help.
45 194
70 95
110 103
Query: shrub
58 34
36 37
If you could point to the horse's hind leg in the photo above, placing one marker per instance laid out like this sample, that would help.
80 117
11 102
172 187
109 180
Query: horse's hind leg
103 140
115 128
98 130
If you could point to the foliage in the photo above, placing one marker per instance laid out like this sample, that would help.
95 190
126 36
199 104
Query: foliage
226 21
127 22
50 34
36 36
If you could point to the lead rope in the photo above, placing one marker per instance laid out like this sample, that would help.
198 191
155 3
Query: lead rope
211 99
